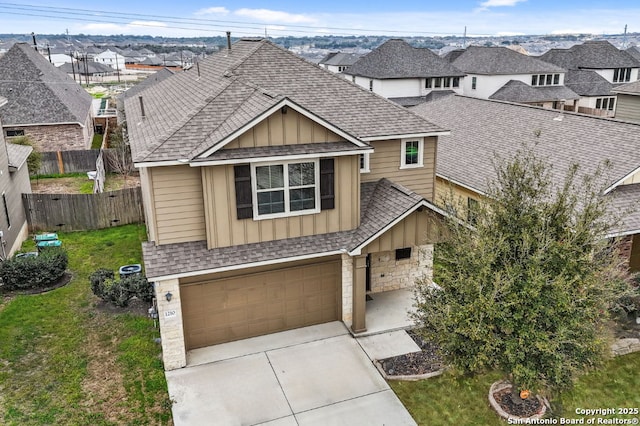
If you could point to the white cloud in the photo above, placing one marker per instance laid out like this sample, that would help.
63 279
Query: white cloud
275 16
154 24
499 3
217 10
509 33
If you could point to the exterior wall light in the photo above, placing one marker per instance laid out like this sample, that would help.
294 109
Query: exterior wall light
168 296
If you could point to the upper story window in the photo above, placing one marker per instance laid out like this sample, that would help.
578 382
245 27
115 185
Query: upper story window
371 85
12 133
606 103
411 153
545 79
284 189
474 83
364 163
441 82
621 75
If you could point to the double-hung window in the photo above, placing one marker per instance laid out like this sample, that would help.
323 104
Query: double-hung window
411 153
285 189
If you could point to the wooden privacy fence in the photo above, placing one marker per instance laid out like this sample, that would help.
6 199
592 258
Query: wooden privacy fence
75 212
60 162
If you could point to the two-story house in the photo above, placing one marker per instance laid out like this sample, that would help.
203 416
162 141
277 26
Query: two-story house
111 58
43 102
404 74
466 156
14 181
503 74
594 69
338 62
277 195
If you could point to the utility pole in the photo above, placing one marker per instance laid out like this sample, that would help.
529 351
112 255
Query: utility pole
33 37
464 38
49 52
624 40
117 67
73 70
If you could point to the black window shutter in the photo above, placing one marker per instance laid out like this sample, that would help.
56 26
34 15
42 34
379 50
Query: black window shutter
327 184
244 203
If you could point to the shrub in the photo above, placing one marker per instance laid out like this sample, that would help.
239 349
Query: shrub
120 291
23 273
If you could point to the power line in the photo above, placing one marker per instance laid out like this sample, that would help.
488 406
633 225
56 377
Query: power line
93 15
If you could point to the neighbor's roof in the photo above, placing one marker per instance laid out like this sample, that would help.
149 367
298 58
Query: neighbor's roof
37 92
480 129
517 91
340 58
629 88
90 67
587 83
500 60
591 55
149 81
397 59
192 111
634 51
381 204
18 154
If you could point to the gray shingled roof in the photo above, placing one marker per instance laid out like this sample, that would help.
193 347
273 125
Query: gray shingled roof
517 91
624 203
500 61
397 59
629 88
38 92
409 101
190 111
635 52
477 135
587 83
591 55
18 154
381 202
149 81
280 150
340 59
91 68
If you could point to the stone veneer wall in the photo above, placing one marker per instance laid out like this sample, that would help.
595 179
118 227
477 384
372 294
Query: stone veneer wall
347 289
174 353
388 274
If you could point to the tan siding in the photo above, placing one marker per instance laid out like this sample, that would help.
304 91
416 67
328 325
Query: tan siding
147 200
628 108
412 231
284 129
224 229
176 193
385 163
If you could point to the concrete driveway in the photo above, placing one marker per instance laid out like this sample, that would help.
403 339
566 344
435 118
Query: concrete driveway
311 376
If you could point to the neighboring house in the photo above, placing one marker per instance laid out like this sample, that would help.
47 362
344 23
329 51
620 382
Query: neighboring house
628 105
466 156
92 69
338 62
403 73
43 102
504 74
276 195
635 52
58 59
14 181
111 58
594 69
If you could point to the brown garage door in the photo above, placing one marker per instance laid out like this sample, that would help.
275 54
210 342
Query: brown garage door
251 305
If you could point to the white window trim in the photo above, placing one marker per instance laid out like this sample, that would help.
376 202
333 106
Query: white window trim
286 213
403 157
365 169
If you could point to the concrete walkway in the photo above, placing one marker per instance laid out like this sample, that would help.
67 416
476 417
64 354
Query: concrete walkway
315 375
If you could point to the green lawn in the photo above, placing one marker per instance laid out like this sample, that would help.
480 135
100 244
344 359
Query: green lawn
63 361
450 400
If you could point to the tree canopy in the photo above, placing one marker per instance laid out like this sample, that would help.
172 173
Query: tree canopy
528 289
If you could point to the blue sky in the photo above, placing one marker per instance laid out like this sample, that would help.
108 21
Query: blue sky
190 18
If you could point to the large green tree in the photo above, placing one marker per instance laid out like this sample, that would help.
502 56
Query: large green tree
528 289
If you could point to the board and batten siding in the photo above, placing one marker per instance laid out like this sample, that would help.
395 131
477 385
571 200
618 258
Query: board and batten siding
284 129
225 229
414 230
628 108
385 163
178 204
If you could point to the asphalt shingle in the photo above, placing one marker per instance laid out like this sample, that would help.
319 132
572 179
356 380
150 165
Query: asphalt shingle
517 91
500 61
592 54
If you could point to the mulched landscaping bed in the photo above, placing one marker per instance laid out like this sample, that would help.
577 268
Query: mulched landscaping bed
527 408
417 363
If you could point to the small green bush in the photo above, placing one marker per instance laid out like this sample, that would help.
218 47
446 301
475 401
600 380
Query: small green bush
24 273
120 291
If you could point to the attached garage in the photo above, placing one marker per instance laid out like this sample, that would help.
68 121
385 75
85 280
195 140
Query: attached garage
237 307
